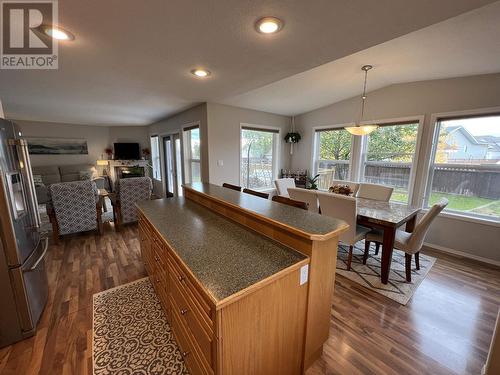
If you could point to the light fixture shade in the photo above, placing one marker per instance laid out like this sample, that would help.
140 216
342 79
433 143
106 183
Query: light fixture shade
102 162
361 129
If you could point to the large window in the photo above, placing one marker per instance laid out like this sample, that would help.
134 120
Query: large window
192 158
155 157
465 166
332 156
389 155
258 157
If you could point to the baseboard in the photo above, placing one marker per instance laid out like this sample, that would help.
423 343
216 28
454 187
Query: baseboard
462 254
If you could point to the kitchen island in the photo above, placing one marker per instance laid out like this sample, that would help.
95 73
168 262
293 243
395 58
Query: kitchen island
238 297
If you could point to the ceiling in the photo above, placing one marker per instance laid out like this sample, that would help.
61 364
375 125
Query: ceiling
130 62
465 45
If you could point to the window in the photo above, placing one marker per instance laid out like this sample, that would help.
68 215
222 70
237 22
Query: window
258 157
332 156
155 157
389 155
465 166
192 164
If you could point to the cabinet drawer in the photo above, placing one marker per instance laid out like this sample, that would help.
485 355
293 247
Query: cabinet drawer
189 353
192 320
183 282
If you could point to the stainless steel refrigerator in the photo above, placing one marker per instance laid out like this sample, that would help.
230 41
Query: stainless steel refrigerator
23 277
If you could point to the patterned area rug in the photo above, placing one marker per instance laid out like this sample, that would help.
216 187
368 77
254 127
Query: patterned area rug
131 334
368 275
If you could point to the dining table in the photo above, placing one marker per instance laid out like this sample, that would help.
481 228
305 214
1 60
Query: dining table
388 217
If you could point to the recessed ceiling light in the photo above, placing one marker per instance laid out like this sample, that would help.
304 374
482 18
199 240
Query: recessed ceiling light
269 25
200 73
58 33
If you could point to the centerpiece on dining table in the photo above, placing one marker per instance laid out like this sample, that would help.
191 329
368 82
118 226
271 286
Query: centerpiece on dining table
341 189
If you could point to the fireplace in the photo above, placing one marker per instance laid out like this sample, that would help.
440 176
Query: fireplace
132 171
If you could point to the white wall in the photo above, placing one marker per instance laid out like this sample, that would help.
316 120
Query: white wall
417 99
224 133
98 138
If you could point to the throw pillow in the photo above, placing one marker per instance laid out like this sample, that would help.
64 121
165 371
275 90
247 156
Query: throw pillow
37 180
85 175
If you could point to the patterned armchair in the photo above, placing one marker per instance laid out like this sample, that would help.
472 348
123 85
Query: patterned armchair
74 207
128 191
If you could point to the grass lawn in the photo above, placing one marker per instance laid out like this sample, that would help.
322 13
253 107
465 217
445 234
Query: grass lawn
458 202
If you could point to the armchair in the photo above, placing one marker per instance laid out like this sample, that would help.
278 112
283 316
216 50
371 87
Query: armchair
128 191
74 207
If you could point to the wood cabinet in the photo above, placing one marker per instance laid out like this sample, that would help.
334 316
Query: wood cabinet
258 331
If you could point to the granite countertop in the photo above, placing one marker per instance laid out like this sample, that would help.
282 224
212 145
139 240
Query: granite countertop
225 257
387 212
310 224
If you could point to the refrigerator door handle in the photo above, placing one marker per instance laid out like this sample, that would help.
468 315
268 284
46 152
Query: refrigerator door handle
25 166
40 258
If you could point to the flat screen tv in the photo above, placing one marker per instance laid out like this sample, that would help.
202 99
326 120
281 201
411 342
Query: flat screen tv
127 151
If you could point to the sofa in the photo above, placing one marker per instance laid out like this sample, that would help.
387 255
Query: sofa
53 174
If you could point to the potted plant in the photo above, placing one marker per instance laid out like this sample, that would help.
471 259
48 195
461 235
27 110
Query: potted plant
109 152
312 182
292 137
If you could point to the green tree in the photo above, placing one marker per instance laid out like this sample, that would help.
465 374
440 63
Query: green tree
335 145
393 143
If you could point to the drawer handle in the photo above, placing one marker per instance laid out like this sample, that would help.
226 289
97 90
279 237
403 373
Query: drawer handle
185 354
184 311
158 281
181 278
156 258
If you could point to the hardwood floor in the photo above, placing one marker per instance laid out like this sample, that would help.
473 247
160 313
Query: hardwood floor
445 329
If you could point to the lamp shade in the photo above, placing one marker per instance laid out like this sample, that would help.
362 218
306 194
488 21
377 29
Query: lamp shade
361 129
102 162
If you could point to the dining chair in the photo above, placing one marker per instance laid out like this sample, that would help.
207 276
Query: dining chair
256 193
230 186
305 195
282 185
374 191
410 243
290 202
344 208
353 185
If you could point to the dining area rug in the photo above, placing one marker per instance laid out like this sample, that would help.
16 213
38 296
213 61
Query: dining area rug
368 275
131 334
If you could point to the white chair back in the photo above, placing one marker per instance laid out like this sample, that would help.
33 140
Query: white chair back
418 235
305 195
340 207
282 185
374 191
353 185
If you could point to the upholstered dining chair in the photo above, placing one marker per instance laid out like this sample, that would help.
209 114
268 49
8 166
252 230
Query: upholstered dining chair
374 191
344 208
231 186
353 185
305 195
74 207
289 202
259 194
129 191
410 243
282 185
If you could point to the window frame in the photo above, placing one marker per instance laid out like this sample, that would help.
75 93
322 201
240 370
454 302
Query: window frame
316 131
435 126
187 160
158 175
276 150
419 120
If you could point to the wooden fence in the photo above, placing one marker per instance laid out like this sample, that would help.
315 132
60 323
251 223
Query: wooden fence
463 179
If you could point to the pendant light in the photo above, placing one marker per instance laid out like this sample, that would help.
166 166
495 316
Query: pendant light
358 128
